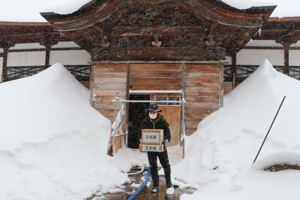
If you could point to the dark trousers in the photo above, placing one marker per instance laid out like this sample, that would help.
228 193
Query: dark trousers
164 160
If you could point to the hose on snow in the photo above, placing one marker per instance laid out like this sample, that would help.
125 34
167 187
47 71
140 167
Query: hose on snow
135 173
141 187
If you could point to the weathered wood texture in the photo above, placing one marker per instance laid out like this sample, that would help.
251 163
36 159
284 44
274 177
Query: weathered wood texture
202 85
203 89
85 83
228 86
155 77
108 81
172 115
160 30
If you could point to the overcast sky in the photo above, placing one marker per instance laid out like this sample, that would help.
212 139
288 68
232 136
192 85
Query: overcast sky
28 10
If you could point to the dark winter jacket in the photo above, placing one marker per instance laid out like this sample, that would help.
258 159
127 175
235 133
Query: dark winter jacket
158 123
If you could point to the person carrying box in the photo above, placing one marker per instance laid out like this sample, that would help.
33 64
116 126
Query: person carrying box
154 120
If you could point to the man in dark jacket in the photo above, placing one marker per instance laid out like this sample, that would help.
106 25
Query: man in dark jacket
156 121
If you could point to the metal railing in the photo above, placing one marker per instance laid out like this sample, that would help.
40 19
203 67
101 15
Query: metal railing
244 71
81 72
118 131
121 118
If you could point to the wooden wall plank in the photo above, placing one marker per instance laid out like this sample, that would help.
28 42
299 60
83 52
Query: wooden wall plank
154 67
109 93
155 87
111 75
110 86
203 68
214 98
203 86
153 74
110 68
154 81
108 81
202 89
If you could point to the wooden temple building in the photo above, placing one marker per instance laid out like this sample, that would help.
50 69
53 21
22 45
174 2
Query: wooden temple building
169 50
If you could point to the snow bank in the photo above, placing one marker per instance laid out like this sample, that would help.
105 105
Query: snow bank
52 142
253 185
227 141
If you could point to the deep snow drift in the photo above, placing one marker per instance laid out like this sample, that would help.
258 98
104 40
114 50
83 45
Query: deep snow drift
226 142
52 142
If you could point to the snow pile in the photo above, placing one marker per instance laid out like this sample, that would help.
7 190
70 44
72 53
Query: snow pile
227 141
253 185
52 142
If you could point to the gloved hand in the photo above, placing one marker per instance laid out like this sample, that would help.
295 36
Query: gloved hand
166 142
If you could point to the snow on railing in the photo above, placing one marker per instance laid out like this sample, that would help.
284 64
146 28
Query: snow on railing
116 130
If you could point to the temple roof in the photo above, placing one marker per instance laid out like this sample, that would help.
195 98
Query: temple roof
284 30
160 29
12 33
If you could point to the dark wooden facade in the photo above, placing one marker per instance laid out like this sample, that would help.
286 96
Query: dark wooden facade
160 30
160 45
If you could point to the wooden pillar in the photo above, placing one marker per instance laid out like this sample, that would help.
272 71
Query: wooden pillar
48 41
233 69
4 64
286 40
286 69
47 59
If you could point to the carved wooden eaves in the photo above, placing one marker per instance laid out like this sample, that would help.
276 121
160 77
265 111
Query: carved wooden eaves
144 29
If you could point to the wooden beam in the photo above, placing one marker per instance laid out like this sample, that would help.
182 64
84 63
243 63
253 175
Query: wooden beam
270 48
44 49
4 64
286 68
47 58
233 69
162 30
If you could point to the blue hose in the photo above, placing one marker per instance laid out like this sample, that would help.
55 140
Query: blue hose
141 187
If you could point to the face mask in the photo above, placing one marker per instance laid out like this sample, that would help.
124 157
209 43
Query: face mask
152 116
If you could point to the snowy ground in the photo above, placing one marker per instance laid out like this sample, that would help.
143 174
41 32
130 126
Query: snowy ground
53 143
127 158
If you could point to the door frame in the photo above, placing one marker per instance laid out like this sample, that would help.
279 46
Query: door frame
164 92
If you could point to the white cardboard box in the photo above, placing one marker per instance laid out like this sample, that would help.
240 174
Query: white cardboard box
152 136
151 148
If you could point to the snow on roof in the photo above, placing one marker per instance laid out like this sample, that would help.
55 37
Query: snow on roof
286 8
28 11
52 142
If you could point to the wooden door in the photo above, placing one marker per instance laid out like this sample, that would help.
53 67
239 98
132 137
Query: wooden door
171 113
